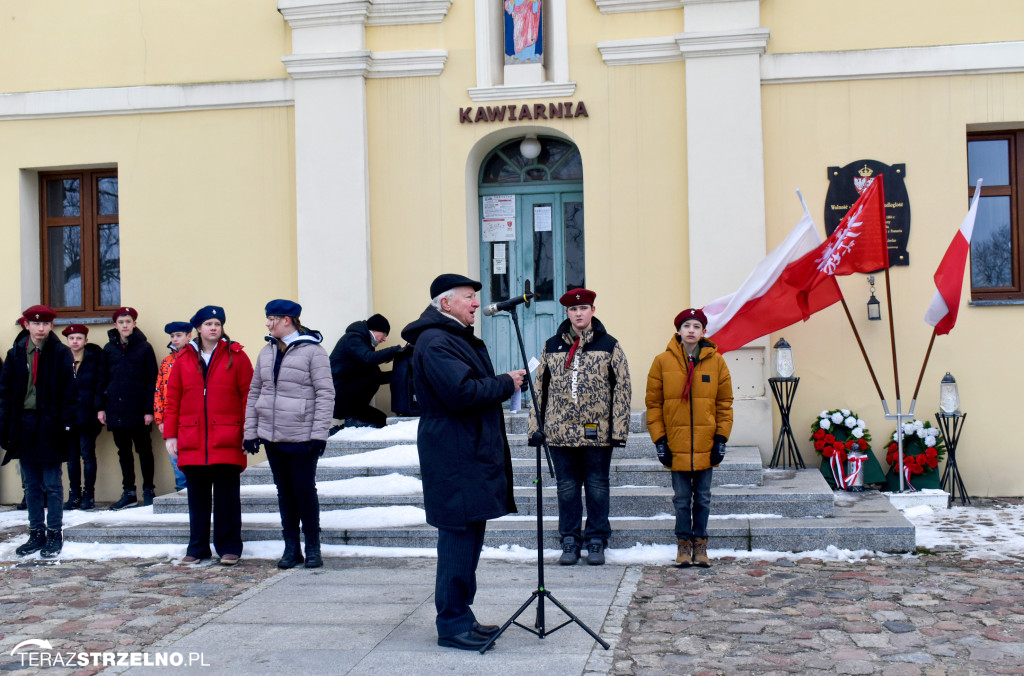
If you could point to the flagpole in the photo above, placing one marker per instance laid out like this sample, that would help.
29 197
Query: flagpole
924 365
892 334
863 352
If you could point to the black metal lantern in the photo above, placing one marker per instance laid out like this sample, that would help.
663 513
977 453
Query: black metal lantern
874 307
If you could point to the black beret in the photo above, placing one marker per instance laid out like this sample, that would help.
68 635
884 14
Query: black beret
450 281
283 308
175 327
208 312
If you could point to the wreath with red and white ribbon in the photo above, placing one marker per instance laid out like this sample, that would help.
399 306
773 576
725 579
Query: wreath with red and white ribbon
837 434
923 449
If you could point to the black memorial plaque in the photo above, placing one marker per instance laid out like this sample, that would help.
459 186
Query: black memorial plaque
845 185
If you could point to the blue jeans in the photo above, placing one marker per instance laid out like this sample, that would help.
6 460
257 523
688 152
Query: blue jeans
576 468
44 489
180 482
692 503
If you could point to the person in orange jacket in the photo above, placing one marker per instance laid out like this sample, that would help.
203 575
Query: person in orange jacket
181 334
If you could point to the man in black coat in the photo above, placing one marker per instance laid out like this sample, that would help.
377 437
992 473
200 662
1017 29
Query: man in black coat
464 456
124 401
88 357
355 368
38 400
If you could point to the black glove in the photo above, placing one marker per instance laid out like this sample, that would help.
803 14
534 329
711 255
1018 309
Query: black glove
664 452
718 450
618 443
536 439
318 445
251 446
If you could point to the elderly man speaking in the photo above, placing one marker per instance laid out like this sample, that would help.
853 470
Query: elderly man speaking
464 456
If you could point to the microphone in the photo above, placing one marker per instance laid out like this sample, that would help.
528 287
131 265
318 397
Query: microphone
507 305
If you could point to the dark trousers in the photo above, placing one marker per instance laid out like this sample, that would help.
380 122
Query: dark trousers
692 503
222 481
295 478
124 437
458 553
43 481
83 453
576 469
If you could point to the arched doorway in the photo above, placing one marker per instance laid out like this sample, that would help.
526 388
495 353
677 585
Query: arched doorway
531 229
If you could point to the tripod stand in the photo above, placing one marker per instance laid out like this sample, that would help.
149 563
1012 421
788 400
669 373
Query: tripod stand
539 595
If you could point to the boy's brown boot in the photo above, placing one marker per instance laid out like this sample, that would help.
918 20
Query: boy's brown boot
700 553
684 556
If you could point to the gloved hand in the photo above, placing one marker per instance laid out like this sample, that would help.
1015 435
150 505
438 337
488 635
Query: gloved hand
318 445
251 446
664 452
618 443
718 450
536 440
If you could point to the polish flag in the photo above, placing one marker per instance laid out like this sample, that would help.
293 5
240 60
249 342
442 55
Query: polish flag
949 277
859 244
764 302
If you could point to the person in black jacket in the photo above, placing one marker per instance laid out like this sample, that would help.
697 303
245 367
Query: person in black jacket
38 401
22 333
464 455
355 369
124 401
87 358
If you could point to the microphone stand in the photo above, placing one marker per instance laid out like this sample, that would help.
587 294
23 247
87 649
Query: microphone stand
541 592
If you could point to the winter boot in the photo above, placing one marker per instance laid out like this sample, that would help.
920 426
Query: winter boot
313 558
36 541
128 499
684 553
88 501
74 500
292 553
54 543
700 553
23 505
147 496
595 553
570 552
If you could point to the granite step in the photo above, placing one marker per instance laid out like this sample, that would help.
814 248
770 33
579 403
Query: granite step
784 493
861 521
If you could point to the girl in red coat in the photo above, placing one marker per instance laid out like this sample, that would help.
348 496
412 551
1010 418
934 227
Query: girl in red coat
204 417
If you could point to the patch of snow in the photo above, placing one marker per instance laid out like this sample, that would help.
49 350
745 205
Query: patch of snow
400 431
389 484
403 455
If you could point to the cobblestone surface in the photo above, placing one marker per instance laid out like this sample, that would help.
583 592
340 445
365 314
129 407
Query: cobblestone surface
905 616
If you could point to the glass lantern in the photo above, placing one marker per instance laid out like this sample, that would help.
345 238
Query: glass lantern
949 395
874 307
782 359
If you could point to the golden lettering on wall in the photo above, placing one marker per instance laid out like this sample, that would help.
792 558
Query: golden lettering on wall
514 113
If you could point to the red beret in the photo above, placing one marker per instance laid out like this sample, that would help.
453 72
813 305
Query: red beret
577 297
22 322
75 328
39 313
691 313
122 311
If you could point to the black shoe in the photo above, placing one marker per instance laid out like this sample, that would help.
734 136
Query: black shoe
147 496
23 505
127 499
88 501
570 552
313 558
595 553
467 640
74 500
485 630
54 543
36 541
351 423
334 430
292 553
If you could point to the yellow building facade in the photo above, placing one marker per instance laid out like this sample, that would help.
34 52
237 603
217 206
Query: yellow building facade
345 153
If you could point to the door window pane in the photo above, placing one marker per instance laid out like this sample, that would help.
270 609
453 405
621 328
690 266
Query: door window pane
988 160
499 282
543 259
571 169
110 264
992 244
65 273
574 267
106 189
63 198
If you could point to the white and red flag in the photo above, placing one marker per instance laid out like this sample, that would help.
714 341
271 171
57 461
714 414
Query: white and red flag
858 244
764 302
949 277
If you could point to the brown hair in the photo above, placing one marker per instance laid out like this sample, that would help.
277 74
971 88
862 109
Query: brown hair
227 346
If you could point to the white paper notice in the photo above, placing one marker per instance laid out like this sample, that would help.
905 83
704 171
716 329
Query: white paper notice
542 219
499 250
499 229
533 364
517 401
499 206
498 266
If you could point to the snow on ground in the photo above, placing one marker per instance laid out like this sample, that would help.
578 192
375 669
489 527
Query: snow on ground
983 533
403 455
389 484
400 431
